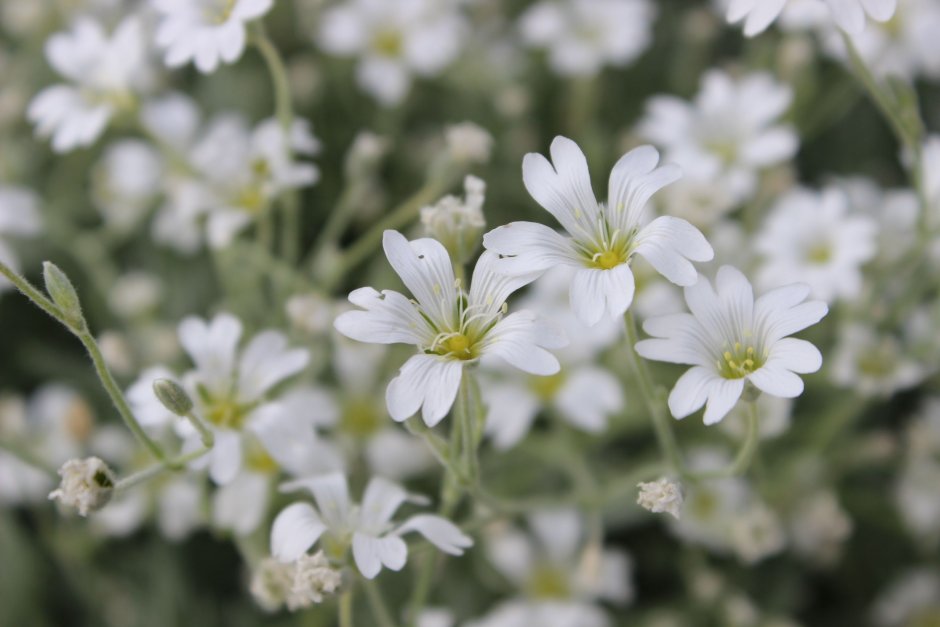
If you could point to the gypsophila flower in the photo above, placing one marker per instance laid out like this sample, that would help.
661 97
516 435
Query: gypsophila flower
662 495
602 237
105 76
732 339
87 485
205 32
451 326
849 15
338 524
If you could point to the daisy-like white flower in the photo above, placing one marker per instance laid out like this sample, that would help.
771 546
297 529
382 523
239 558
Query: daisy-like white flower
602 237
725 136
451 326
584 35
813 238
206 32
849 15
338 524
105 75
230 389
393 40
731 339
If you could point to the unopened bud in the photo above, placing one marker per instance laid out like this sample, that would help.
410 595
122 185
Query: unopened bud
662 495
458 223
87 485
172 395
63 294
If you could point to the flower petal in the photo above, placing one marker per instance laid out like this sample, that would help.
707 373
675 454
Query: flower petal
691 391
563 187
389 318
426 269
795 355
379 503
295 530
776 381
723 394
427 381
669 243
529 247
520 340
440 532
371 553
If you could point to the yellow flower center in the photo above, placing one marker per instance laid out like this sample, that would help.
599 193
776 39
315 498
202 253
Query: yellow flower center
819 253
547 387
388 43
360 418
457 345
226 413
220 11
740 361
608 259
548 582
258 460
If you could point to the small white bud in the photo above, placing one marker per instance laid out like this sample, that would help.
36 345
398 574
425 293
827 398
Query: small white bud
456 223
173 396
314 577
366 152
468 143
87 485
662 495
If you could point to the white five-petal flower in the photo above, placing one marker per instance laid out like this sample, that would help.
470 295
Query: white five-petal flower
849 15
602 237
451 326
206 32
368 528
731 339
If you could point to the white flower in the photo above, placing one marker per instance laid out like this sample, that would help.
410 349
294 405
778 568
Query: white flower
452 327
468 143
874 363
368 528
730 339
811 237
602 237
393 41
849 15
757 533
660 496
818 527
584 35
458 223
230 389
299 584
87 485
105 76
126 181
728 133
19 217
206 32
544 613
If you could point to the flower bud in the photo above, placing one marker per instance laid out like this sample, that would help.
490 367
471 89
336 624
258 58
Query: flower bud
172 395
87 485
660 496
63 294
468 143
456 223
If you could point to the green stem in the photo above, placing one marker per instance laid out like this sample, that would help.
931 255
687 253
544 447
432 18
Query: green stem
346 608
205 433
101 367
399 217
466 416
661 423
380 611
745 456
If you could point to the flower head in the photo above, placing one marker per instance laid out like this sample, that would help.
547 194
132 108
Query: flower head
661 495
338 524
731 339
451 326
87 485
602 237
206 32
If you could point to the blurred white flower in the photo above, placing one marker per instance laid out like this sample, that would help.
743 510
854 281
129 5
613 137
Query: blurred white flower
205 32
602 237
725 136
87 485
545 613
126 181
849 15
818 527
812 238
912 599
873 363
732 339
368 528
19 217
468 143
757 533
393 41
452 327
105 76
582 36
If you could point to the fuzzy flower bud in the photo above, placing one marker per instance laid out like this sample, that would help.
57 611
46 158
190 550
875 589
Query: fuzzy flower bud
662 495
173 396
63 294
87 485
456 223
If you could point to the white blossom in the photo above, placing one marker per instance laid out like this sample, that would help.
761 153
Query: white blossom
602 238
731 339
849 15
205 32
87 485
367 528
451 326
